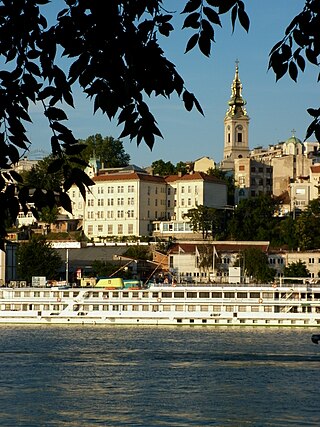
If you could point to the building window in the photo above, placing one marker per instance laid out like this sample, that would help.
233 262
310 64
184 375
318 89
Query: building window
120 228
110 229
130 228
100 228
241 168
239 137
90 229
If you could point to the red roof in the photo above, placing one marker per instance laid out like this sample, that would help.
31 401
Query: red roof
128 176
315 168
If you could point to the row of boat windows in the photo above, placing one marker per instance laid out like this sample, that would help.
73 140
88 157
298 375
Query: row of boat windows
154 308
164 294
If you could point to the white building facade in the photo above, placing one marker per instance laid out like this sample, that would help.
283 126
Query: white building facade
131 203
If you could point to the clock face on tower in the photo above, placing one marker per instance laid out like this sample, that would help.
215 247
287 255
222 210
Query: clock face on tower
239 127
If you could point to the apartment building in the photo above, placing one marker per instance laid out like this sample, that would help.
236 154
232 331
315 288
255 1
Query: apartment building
130 203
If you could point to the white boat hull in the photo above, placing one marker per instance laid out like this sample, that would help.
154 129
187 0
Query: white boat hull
231 305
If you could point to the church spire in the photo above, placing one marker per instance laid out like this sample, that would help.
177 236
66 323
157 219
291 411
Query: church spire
236 102
236 126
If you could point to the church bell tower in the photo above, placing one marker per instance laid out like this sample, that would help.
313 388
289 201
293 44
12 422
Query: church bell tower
236 124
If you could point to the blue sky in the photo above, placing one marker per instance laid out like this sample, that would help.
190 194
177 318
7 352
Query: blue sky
274 108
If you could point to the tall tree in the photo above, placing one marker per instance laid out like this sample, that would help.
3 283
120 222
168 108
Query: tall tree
208 221
112 52
37 258
255 264
163 168
108 150
253 219
307 226
296 269
38 176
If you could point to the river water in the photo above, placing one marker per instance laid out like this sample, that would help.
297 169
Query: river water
157 376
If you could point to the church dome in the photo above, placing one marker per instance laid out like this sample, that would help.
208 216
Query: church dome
294 140
293 145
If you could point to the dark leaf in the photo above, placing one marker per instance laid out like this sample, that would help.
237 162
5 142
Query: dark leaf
13 154
59 127
311 56
275 47
244 19
14 208
55 145
54 113
301 62
215 3
33 68
226 5
204 44
55 165
192 42
234 14
192 21
65 202
311 129
286 52
293 71
281 70
165 29
317 132
198 106
75 149
207 29
78 161
212 15
188 100
23 195
18 141
191 6
33 53
314 112
300 38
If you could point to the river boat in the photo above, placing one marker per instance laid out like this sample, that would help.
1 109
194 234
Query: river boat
210 305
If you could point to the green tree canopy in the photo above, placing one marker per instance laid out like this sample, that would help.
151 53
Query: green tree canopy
138 252
163 168
255 264
307 226
39 178
103 268
37 258
111 51
208 221
296 269
253 219
108 150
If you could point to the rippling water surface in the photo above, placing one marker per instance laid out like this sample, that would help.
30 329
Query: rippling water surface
145 376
